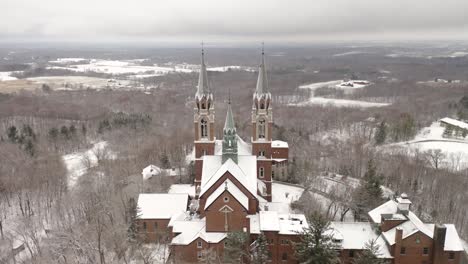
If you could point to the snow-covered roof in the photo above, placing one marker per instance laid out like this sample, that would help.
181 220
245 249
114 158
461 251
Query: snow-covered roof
390 207
243 148
182 188
452 240
410 227
150 171
245 171
355 235
279 144
153 170
192 229
161 205
230 187
285 224
454 122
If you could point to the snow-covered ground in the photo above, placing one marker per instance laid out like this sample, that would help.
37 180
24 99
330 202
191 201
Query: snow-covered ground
6 76
455 150
347 86
133 67
340 103
355 52
78 163
79 82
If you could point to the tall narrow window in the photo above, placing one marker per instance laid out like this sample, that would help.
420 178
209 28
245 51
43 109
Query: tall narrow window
261 172
284 257
261 128
204 128
144 226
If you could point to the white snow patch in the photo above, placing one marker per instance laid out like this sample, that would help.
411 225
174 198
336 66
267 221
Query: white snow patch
6 76
78 163
350 53
340 103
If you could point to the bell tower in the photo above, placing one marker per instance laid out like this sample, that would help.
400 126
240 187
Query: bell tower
203 120
262 123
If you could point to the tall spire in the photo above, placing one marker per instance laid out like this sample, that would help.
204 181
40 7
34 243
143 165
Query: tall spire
203 77
262 83
229 137
229 124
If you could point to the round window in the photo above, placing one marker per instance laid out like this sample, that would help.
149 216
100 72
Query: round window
226 199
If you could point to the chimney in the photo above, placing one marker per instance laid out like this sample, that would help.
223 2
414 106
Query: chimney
404 204
439 242
397 248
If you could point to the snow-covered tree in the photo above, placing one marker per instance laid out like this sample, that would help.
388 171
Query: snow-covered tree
260 251
236 247
316 246
370 254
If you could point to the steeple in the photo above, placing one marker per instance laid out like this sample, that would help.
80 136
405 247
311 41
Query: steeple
261 96
229 136
262 82
203 87
203 97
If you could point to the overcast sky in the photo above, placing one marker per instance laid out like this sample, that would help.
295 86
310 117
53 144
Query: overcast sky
236 20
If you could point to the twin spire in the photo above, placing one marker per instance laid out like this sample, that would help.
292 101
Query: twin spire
203 86
262 81
229 149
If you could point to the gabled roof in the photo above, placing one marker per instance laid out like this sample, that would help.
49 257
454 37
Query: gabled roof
454 122
452 240
355 235
161 205
390 207
245 171
412 225
192 229
230 187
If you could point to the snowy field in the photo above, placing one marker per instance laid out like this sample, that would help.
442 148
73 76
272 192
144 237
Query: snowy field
132 67
5 76
322 101
455 150
79 82
347 86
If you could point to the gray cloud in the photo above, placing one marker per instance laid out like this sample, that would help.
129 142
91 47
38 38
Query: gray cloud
298 20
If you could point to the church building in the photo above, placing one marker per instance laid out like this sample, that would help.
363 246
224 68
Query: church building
232 191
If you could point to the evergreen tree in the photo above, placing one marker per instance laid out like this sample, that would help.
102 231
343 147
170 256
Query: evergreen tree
72 130
12 134
370 254
64 131
381 134
83 129
316 246
369 193
53 134
236 247
132 214
260 252
29 147
164 159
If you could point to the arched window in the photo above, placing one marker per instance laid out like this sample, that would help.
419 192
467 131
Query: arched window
261 172
261 128
204 128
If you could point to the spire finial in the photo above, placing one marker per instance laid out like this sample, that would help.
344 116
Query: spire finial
229 95
202 48
225 185
263 48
